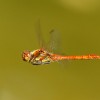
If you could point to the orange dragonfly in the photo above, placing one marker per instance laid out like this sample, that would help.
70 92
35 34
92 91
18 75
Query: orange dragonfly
42 56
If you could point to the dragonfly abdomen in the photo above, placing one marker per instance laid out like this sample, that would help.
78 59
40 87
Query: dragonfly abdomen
59 57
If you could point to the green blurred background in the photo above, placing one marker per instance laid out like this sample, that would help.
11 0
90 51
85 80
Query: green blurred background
78 21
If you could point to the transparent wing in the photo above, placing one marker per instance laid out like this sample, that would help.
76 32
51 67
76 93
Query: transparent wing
55 41
39 34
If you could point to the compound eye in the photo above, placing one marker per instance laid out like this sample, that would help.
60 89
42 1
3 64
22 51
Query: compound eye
23 57
26 55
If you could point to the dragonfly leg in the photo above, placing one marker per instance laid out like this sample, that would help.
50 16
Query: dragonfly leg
45 59
36 62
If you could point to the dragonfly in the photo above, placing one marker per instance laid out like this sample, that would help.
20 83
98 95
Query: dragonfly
42 56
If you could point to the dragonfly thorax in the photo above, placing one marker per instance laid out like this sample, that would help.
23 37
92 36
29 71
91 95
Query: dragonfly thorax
40 56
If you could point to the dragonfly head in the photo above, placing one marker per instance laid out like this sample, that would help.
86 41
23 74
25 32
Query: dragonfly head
26 56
